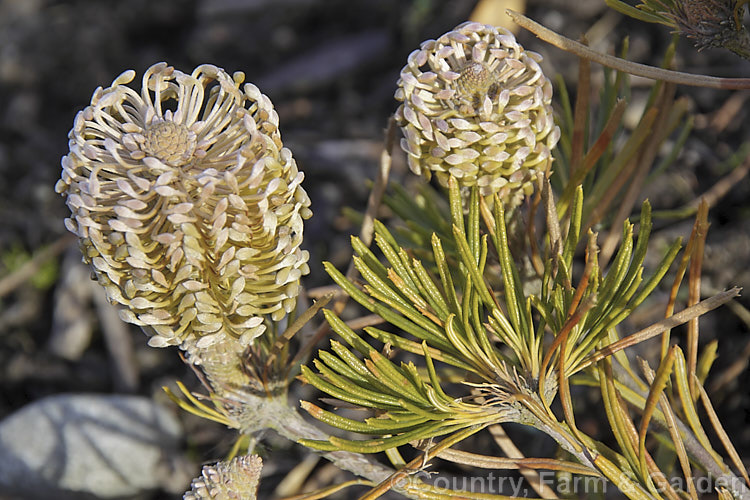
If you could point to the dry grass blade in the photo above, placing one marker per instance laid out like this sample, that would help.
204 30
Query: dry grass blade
728 111
295 479
674 433
645 158
561 341
723 437
328 491
679 275
514 455
675 320
622 481
594 153
690 414
722 187
504 463
365 321
636 69
715 192
655 391
629 158
694 294
619 420
589 260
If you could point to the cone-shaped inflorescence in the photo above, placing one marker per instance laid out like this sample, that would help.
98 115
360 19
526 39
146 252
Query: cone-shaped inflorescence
476 106
187 205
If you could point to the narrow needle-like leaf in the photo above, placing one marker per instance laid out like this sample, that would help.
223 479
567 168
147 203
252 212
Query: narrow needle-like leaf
725 439
654 393
676 319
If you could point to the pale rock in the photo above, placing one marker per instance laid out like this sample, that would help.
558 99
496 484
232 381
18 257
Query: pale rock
91 446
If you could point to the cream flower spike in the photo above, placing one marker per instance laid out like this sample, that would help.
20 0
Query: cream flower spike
187 205
234 480
476 106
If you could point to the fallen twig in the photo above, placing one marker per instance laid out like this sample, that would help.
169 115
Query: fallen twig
632 68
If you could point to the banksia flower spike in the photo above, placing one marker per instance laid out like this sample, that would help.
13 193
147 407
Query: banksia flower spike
709 23
476 106
236 479
187 205
712 23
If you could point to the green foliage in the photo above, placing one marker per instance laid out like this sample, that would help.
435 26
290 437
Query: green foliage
587 152
475 339
453 317
650 11
479 317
